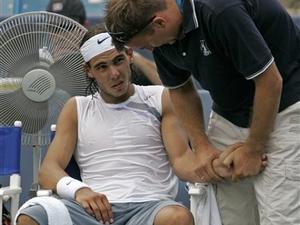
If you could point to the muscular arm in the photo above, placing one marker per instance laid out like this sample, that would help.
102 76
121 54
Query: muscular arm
188 107
247 159
182 158
266 102
58 157
61 148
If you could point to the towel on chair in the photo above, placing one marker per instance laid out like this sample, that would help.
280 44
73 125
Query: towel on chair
56 210
207 209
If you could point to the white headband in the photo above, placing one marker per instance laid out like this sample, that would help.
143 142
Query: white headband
96 45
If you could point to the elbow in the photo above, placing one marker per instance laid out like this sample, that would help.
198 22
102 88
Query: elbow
277 84
41 177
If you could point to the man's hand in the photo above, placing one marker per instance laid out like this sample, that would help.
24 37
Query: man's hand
245 161
221 169
205 157
95 204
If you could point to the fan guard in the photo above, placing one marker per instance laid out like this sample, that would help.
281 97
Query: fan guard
40 69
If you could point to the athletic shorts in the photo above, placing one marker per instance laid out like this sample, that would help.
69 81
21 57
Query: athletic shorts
123 213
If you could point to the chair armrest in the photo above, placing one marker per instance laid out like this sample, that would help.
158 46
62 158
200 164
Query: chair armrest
10 191
197 188
44 192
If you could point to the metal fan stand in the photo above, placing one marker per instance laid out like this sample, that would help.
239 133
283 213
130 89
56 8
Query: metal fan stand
38 85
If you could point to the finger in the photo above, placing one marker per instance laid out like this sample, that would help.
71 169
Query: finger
262 168
229 150
96 211
264 157
228 161
264 163
213 176
236 177
105 209
109 209
204 176
87 208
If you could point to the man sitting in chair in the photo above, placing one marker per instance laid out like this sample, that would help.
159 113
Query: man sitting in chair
128 145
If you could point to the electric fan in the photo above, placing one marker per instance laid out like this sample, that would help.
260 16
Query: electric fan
40 68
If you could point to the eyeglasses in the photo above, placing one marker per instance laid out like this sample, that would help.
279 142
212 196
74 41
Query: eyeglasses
124 37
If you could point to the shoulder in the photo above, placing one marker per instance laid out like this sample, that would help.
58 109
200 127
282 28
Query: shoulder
216 6
149 89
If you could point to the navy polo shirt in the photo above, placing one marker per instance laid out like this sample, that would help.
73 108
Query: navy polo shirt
226 44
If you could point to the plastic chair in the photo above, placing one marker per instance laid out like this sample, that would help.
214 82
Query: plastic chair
10 149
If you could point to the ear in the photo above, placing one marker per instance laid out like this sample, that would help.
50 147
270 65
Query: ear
129 53
159 22
87 69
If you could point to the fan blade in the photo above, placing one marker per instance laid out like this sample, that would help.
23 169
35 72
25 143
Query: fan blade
16 106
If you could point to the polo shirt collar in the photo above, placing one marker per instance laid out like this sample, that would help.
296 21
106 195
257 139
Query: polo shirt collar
189 22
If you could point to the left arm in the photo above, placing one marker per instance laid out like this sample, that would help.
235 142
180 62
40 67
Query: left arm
265 108
247 158
182 158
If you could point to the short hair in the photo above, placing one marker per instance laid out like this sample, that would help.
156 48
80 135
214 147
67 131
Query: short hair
92 87
126 18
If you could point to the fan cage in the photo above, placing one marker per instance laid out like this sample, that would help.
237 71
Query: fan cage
44 41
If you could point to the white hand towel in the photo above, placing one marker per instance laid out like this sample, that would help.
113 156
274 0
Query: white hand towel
207 209
57 212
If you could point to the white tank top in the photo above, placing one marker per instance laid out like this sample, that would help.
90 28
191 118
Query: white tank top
120 150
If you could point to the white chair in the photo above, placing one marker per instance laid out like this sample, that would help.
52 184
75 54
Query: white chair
10 149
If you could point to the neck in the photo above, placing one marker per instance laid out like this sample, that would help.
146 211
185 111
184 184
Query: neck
108 98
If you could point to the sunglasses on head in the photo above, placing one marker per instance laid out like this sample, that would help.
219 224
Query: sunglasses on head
124 37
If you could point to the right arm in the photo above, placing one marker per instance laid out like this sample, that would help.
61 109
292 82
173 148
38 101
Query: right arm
57 158
61 148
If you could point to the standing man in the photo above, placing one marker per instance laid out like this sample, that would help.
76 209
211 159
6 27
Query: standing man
247 54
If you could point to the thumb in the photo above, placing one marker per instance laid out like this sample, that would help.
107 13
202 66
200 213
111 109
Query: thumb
229 150
228 161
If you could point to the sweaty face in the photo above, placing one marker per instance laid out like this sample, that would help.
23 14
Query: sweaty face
112 72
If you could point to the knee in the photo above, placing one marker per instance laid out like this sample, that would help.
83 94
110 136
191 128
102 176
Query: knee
26 220
181 216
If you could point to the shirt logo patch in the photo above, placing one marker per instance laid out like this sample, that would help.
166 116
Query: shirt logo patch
204 49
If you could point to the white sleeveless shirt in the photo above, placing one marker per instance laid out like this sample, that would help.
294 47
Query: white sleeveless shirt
120 151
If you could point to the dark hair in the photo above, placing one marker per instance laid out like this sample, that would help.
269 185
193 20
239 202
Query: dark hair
126 18
92 87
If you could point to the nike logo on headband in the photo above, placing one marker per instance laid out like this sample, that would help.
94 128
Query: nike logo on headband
99 42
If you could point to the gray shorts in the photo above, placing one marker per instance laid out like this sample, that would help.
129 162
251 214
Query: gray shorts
123 213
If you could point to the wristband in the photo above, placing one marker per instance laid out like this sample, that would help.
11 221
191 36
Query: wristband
66 187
